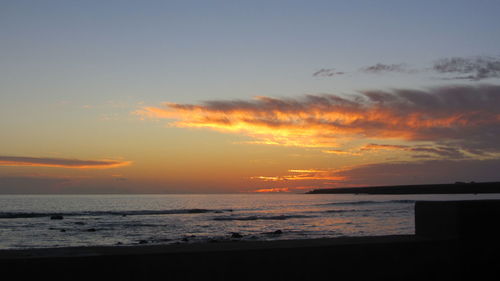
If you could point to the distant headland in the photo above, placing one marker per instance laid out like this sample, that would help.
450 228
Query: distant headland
455 188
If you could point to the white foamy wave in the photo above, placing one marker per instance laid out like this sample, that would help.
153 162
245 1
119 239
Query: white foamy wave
354 203
253 218
19 215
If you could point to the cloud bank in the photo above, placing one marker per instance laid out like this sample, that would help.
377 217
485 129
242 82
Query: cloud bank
473 69
381 68
327 72
455 68
61 162
421 150
455 119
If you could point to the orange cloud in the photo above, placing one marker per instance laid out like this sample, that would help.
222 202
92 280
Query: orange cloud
272 190
298 180
372 146
462 116
61 162
305 175
340 152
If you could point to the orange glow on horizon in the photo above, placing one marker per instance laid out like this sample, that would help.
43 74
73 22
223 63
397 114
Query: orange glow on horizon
341 134
304 175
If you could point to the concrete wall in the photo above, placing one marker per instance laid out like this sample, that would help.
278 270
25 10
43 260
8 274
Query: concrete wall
473 219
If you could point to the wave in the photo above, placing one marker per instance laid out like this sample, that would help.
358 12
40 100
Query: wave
368 202
253 218
18 215
23 215
344 211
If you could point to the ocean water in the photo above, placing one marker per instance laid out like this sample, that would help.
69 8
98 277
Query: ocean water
91 220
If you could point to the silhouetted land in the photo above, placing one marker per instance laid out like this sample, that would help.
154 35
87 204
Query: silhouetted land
456 188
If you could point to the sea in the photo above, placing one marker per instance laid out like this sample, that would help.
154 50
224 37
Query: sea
48 221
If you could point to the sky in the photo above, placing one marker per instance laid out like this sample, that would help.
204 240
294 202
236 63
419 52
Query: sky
246 96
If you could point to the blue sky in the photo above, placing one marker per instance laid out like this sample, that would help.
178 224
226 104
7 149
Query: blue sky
196 50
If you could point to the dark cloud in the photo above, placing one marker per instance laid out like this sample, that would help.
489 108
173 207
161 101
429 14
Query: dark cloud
474 69
327 72
454 68
60 162
454 116
443 151
420 150
381 68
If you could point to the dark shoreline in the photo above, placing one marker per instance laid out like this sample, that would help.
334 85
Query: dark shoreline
219 246
456 188
388 257
405 257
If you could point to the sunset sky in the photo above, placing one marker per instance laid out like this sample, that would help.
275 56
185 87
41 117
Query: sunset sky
246 96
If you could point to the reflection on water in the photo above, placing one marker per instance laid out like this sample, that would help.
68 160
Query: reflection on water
25 220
